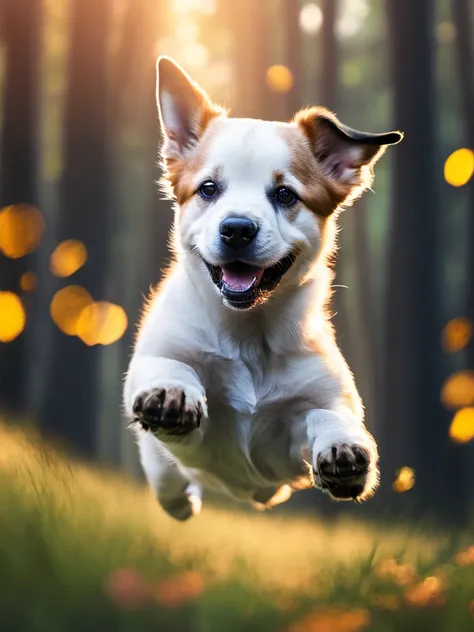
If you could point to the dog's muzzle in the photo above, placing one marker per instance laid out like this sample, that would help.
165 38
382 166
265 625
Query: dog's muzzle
243 286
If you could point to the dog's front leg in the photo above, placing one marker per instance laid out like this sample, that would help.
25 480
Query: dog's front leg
165 397
172 485
343 453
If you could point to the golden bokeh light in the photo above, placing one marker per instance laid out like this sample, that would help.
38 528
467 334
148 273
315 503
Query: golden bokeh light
28 281
66 307
279 79
68 257
311 18
459 167
458 390
21 230
405 480
101 323
462 426
12 316
456 334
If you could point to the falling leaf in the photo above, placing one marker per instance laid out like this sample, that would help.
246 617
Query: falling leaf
68 257
101 323
462 426
67 306
404 480
21 230
457 334
279 79
458 390
28 281
12 316
459 167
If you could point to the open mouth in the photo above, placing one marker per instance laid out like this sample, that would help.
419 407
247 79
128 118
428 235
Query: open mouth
243 285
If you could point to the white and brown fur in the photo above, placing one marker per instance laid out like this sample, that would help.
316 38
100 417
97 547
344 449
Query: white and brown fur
253 402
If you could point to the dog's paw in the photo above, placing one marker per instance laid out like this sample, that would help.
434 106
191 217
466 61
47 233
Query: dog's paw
173 410
347 471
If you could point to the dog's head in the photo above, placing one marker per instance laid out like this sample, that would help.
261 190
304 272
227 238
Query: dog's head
254 196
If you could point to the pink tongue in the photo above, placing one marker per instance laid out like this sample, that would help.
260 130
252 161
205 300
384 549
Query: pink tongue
241 279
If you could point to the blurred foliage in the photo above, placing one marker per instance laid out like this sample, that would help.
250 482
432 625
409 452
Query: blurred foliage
93 551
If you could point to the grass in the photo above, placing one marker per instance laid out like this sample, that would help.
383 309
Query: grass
83 549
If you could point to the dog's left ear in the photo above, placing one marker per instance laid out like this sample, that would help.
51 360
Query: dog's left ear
184 108
344 154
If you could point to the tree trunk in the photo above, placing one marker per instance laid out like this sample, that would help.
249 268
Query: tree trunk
70 406
18 161
416 424
465 64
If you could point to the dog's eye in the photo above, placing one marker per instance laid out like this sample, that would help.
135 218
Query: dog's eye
207 189
285 196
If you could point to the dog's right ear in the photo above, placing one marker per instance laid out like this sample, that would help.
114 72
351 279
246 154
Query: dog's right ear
184 109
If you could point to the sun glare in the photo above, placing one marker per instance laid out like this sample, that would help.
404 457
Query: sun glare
208 7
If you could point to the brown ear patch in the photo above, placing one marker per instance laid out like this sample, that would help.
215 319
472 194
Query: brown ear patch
320 194
179 174
344 156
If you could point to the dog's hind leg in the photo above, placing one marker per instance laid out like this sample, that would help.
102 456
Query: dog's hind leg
179 496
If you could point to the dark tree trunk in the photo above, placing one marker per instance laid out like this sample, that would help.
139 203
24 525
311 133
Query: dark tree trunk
70 404
465 66
416 424
366 310
21 26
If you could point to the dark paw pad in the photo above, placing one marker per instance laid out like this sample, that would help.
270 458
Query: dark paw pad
168 410
343 471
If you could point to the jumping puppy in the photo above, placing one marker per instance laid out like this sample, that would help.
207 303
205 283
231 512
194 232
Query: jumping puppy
236 382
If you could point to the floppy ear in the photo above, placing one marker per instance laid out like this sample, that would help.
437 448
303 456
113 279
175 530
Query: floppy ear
345 155
184 108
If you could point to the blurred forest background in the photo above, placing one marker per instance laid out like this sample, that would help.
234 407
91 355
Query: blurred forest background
83 231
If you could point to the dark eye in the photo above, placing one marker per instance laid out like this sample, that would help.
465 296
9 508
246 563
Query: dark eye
207 189
285 196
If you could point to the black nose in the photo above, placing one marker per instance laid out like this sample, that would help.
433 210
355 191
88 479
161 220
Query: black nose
238 232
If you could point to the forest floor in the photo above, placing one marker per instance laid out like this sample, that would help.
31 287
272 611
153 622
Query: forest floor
83 549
